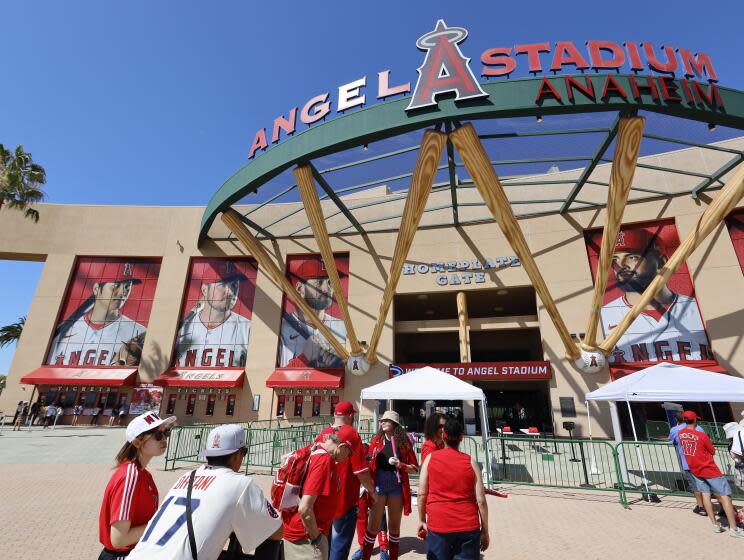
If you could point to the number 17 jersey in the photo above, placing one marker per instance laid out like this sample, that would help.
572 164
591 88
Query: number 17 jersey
222 502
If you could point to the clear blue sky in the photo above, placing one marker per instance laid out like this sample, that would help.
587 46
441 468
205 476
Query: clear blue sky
144 102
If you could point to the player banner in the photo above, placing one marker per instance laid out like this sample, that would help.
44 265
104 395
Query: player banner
216 316
300 344
145 398
735 223
105 313
671 327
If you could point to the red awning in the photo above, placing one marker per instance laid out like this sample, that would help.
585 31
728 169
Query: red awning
110 377
307 378
626 368
179 377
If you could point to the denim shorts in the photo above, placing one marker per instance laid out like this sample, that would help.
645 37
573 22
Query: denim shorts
690 483
386 484
718 485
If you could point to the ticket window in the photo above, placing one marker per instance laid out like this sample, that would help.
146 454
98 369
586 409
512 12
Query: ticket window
102 400
281 403
211 400
191 404
230 409
298 405
171 404
90 400
316 405
123 397
334 402
61 398
50 397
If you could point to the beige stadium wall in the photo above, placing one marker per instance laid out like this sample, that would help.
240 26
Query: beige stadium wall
66 231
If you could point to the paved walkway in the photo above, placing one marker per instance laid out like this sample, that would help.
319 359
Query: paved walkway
51 484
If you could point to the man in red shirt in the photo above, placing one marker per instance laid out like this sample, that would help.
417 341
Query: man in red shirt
698 451
351 474
305 528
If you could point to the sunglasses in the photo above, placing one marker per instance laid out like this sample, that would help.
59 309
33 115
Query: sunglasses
159 435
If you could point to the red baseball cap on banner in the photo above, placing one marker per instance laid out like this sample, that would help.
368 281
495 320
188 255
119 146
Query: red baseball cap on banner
315 268
689 415
224 271
637 241
344 408
112 272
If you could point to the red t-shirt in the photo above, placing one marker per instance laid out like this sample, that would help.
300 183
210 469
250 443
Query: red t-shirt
131 495
698 452
429 447
450 503
347 471
321 481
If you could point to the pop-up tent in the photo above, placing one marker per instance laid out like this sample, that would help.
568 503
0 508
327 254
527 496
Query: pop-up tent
428 383
666 382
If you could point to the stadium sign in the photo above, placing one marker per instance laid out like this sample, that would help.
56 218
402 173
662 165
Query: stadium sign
484 371
446 70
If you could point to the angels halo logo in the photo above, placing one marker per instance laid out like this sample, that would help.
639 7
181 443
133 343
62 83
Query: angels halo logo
445 68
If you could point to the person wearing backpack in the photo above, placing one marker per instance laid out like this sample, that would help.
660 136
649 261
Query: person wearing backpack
306 527
206 505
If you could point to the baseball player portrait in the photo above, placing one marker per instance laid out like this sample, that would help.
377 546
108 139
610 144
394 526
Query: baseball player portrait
301 344
670 328
213 333
98 333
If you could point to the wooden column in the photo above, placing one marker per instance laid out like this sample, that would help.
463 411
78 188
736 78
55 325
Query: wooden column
627 147
462 321
232 220
476 161
430 154
725 201
306 184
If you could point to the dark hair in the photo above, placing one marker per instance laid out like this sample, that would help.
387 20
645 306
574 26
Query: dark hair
679 419
431 426
454 431
400 435
222 460
129 452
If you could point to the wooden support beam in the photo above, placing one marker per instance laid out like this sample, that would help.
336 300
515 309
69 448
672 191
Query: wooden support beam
726 200
422 180
462 321
234 223
476 161
627 148
306 184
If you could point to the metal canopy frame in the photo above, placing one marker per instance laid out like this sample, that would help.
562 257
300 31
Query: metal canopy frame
506 99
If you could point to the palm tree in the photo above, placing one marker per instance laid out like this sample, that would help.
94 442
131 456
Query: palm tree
11 333
20 180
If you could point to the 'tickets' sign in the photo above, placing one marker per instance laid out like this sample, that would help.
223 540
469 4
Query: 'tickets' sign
484 371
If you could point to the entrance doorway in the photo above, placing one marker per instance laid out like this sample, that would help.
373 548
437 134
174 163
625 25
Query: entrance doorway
413 413
520 404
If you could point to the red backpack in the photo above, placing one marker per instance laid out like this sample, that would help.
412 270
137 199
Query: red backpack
286 488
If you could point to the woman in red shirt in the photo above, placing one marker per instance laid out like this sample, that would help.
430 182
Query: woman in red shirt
392 458
131 497
452 501
433 433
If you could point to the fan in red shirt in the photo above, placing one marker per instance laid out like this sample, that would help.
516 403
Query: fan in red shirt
433 428
351 474
306 528
131 497
698 451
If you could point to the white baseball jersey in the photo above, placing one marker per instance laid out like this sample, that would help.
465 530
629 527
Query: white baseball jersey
295 334
676 334
225 345
92 344
222 502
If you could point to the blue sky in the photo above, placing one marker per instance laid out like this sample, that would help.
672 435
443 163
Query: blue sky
144 102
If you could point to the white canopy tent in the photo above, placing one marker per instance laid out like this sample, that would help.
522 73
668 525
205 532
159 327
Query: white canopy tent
428 383
666 382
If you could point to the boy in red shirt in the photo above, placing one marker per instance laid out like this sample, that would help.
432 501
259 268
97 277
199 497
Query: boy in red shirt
306 529
698 451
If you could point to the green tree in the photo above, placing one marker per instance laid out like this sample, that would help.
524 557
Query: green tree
11 333
20 181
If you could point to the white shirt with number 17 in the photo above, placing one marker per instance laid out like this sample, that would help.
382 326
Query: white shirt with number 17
222 502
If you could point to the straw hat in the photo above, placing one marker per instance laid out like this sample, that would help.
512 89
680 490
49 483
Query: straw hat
392 416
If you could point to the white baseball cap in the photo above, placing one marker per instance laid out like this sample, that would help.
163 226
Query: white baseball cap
224 440
145 422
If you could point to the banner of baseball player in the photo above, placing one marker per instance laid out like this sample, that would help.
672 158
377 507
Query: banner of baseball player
146 398
300 344
735 223
671 328
105 313
216 315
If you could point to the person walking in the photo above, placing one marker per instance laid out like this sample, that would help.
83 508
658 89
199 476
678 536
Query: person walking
114 416
94 416
433 428
76 411
123 413
352 474
673 438
20 421
362 518
131 497
49 415
18 410
223 502
453 512
306 527
33 413
699 451
391 460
